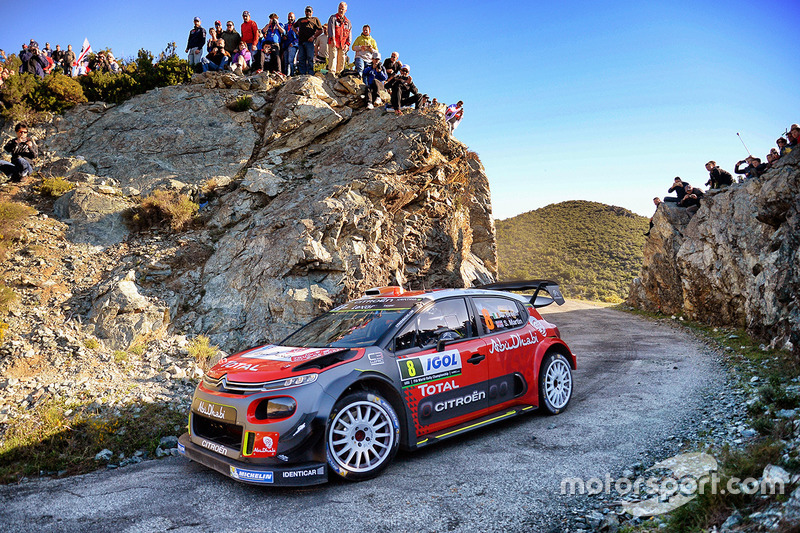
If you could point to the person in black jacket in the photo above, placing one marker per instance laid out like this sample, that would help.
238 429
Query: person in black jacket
753 169
679 186
718 178
403 90
23 150
196 43
691 196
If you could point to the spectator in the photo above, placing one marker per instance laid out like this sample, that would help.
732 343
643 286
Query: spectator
112 63
717 178
217 59
772 156
69 60
364 47
453 115
403 90
23 150
321 46
268 56
308 29
783 146
392 64
794 135
290 44
274 35
218 29
231 38
339 29
691 197
657 202
3 56
212 39
47 50
372 75
240 63
679 186
753 169
196 43
249 32
58 57
33 61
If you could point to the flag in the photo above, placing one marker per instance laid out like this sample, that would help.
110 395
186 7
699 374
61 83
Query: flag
86 49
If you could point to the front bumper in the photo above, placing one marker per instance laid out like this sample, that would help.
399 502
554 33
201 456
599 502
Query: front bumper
295 475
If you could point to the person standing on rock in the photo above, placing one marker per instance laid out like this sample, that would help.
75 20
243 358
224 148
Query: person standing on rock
718 178
339 30
290 46
249 32
453 115
23 151
308 29
657 201
231 38
68 60
364 47
196 43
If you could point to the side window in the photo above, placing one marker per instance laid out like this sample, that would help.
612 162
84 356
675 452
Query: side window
498 314
424 329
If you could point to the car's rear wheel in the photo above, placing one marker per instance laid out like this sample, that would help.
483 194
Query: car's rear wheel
555 383
362 436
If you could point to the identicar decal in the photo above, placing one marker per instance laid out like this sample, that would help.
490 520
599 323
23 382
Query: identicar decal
430 367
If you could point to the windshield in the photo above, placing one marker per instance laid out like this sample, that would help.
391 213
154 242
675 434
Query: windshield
356 324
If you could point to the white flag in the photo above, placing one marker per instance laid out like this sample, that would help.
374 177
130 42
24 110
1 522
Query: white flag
85 51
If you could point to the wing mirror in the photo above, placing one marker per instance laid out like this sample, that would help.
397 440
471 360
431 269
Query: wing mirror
444 336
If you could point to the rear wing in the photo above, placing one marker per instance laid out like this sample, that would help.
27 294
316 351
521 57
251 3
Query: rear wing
538 286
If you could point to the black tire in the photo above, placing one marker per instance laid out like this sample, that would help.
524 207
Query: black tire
362 436
555 383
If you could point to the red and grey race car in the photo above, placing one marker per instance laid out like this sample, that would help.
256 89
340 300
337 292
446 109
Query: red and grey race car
392 369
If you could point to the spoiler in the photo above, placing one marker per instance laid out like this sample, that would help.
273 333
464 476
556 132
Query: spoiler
536 285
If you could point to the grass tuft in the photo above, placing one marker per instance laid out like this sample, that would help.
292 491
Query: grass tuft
55 187
201 350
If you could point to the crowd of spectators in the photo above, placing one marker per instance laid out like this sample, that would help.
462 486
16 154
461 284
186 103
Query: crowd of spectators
303 46
748 168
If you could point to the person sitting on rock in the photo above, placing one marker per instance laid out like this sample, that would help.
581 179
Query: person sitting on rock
231 38
23 151
658 202
403 90
753 169
772 156
453 115
793 135
679 186
717 178
374 73
217 59
268 56
691 197
365 48
783 146
240 63
392 65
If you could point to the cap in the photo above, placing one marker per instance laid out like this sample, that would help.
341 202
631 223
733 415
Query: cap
406 67
217 22
376 55
197 19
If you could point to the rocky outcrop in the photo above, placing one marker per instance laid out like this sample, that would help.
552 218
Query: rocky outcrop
94 214
733 263
322 199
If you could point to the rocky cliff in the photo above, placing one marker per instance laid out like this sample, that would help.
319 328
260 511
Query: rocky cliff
308 199
735 262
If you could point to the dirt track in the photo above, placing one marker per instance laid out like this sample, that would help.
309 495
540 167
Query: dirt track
638 383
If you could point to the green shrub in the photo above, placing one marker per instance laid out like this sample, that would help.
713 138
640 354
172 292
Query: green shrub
201 350
12 215
55 187
7 298
243 103
163 207
91 343
111 88
57 93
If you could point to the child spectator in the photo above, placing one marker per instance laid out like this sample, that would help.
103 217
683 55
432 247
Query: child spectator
717 178
240 63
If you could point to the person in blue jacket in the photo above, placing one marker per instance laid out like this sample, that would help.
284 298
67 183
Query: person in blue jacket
33 60
372 74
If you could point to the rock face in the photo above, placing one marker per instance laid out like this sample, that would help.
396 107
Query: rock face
735 262
323 199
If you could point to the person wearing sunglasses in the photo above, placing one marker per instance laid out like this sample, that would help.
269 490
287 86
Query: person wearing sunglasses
231 38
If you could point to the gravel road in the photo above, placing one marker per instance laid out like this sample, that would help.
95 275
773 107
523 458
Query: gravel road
638 385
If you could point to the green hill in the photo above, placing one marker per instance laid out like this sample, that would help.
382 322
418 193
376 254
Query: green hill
592 250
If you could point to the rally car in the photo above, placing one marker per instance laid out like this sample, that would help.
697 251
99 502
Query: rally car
392 369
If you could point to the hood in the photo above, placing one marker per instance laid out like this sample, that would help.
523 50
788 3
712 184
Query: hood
269 362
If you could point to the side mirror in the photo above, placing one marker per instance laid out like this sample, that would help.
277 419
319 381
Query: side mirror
445 336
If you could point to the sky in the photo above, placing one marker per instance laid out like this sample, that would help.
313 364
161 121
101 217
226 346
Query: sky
582 100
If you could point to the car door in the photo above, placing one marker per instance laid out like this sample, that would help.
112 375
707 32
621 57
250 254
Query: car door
510 347
442 388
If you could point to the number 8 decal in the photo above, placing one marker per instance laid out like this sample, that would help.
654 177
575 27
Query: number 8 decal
488 319
411 370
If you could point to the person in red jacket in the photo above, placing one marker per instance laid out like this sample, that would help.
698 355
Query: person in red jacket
339 29
249 32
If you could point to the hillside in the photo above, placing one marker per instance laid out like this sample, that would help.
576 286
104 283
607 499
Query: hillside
593 250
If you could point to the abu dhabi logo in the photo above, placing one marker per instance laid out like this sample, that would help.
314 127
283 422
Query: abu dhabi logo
669 484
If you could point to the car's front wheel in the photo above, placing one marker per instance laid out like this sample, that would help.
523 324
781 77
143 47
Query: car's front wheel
362 436
555 383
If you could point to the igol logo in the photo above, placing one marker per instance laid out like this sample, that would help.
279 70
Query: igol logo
444 361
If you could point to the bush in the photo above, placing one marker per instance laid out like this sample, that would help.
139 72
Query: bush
57 93
55 187
243 103
202 351
163 207
111 88
12 214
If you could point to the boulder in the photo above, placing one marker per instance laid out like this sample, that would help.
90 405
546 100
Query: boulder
94 215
